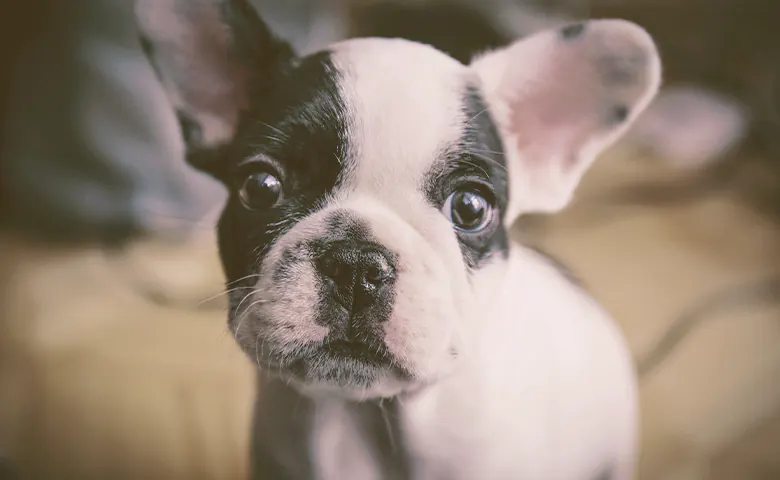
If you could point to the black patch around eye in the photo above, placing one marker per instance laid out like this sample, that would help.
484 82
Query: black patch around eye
302 125
479 159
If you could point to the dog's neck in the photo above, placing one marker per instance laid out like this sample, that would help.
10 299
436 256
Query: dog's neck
308 435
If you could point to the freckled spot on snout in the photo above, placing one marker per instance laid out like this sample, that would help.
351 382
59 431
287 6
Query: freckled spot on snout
572 31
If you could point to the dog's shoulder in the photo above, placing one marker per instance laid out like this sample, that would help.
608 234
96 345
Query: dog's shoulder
555 262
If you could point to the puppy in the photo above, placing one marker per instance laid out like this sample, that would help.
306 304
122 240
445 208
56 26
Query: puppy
398 332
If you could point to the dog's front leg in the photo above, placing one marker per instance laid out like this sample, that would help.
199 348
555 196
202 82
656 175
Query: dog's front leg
280 447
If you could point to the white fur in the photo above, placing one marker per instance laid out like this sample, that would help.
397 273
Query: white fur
405 99
337 444
548 393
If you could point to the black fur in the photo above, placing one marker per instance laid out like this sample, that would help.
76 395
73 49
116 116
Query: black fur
301 132
478 158
281 435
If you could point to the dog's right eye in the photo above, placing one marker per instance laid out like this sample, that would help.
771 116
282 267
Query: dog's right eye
260 190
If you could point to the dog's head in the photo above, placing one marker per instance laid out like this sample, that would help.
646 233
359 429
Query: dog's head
372 184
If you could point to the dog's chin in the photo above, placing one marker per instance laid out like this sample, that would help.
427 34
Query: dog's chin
348 371
386 386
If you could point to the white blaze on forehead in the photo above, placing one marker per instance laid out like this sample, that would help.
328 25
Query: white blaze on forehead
405 103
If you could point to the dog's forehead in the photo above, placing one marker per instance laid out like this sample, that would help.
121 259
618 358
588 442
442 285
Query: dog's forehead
406 106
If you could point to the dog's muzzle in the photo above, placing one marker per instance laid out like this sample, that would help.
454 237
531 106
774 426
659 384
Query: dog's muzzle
356 292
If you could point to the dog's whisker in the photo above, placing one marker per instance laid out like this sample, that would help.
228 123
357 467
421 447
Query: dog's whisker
472 119
275 129
222 294
243 315
388 425
482 150
487 159
280 222
257 351
238 307
232 282
485 172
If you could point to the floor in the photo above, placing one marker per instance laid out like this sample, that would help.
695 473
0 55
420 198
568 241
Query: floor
117 365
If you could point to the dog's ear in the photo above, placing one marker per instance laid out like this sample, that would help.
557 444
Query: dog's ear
215 59
559 98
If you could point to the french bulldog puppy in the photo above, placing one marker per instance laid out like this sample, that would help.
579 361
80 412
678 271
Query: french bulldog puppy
397 330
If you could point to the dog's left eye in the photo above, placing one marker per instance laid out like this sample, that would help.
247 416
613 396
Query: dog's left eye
468 210
260 190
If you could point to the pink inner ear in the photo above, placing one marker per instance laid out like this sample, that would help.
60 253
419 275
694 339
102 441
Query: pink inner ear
559 110
213 46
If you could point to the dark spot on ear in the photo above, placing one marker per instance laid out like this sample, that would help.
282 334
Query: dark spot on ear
619 114
573 31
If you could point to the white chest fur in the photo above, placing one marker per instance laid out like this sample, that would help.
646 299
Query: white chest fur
546 392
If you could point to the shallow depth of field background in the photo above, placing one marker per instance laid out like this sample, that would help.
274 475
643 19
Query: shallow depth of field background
115 362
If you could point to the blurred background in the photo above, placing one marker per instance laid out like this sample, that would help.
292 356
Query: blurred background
114 357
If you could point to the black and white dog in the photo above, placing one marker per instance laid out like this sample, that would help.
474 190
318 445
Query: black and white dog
398 332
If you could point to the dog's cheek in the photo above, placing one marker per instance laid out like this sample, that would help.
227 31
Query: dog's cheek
425 329
290 315
419 333
243 243
278 317
273 287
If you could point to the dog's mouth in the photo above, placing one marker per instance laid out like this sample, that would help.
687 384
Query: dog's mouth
346 350
345 363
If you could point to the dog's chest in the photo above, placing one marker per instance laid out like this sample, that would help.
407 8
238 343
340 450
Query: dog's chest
450 434
359 441
424 440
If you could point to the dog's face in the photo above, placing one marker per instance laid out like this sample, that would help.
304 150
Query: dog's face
372 184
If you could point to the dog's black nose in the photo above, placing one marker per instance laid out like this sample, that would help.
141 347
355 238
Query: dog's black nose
358 272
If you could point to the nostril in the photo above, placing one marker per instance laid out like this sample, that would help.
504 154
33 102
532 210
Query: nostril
360 266
378 273
329 267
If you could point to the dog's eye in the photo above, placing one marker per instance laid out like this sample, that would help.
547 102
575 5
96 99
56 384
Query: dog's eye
468 210
260 190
